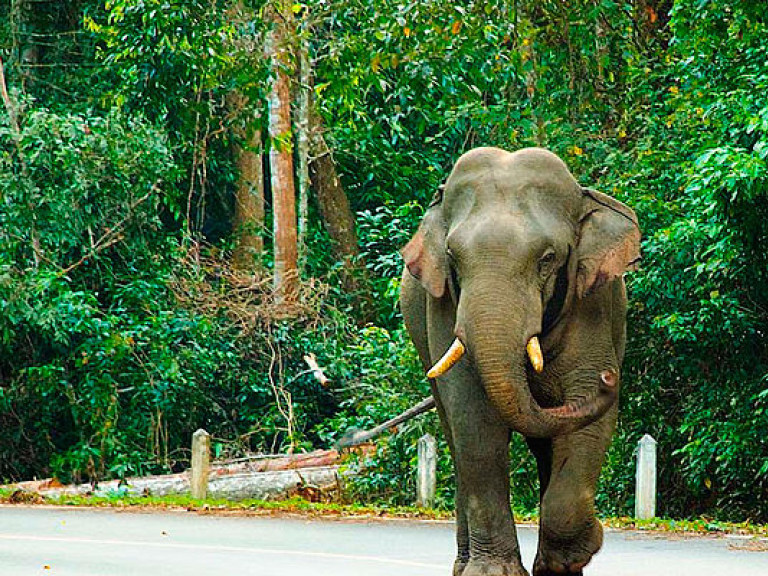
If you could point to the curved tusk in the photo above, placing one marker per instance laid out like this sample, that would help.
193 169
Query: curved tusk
450 358
534 354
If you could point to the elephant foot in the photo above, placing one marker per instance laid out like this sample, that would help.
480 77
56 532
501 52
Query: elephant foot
492 567
561 562
558 556
459 565
539 570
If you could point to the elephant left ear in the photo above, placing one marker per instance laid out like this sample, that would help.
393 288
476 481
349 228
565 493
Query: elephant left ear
609 241
425 256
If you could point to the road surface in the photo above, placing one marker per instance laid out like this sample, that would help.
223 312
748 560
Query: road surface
51 541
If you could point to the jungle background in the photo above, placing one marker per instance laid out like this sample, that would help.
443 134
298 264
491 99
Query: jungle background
144 293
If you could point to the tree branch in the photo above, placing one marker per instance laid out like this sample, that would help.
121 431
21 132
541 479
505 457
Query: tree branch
112 236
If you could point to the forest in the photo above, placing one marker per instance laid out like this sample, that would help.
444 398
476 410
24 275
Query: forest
195 194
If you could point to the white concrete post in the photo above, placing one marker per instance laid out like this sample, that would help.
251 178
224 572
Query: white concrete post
645 479
426 473
201 464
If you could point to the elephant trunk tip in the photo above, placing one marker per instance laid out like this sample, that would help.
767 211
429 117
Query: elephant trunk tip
609 378
594 405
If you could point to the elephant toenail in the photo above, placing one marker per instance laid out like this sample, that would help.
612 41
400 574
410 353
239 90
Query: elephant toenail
577 566
557 568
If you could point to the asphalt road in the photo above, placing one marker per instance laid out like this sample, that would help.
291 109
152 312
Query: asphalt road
79 542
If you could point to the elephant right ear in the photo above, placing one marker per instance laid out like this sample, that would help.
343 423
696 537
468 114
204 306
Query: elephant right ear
425 255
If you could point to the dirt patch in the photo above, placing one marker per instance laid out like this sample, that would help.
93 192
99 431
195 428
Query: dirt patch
750 545
25 497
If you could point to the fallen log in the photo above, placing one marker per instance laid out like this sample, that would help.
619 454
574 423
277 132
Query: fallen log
265 479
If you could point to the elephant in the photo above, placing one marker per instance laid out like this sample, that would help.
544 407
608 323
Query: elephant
513 294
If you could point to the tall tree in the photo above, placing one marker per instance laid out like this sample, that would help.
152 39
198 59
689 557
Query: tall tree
249 190
338 219
302 139
286 280
247 150
335 211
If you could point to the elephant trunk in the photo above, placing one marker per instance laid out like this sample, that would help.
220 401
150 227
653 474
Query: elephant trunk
497 327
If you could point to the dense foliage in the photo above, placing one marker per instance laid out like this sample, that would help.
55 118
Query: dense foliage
123 328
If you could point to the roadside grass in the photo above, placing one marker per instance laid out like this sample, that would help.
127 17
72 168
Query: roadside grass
295 505
695 525
300 506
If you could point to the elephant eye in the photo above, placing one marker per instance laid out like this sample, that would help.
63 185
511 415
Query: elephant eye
546 262
455 280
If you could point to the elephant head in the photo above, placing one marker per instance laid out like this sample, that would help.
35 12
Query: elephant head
517 244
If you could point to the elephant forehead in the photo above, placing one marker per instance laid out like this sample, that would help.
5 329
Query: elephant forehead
536 214
513 233
528 180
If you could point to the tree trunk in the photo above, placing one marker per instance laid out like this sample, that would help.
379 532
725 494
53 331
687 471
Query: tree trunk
332 201
249 193
247 151
338 219
302 143
286 280
24 23
601 51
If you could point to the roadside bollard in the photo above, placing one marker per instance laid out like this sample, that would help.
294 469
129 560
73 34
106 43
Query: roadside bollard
426 473
201 464
645 478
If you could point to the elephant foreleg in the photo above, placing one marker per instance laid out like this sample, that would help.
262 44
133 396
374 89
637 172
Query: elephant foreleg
462 527
482 466
413 303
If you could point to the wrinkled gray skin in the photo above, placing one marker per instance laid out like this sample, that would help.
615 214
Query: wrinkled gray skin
514 248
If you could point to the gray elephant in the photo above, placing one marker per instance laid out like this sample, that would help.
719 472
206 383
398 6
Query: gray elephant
513 294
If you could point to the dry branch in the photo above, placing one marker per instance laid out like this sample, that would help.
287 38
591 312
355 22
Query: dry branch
354 437
112 236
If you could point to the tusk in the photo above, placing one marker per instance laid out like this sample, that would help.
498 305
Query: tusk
534 354
450 358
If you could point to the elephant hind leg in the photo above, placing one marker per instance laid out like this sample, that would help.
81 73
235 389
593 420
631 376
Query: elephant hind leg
542 451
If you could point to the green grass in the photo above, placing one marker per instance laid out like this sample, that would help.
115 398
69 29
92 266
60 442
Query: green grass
698 525
301 506
293 505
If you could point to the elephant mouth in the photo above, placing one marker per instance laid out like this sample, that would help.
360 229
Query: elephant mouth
552 315
457 350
